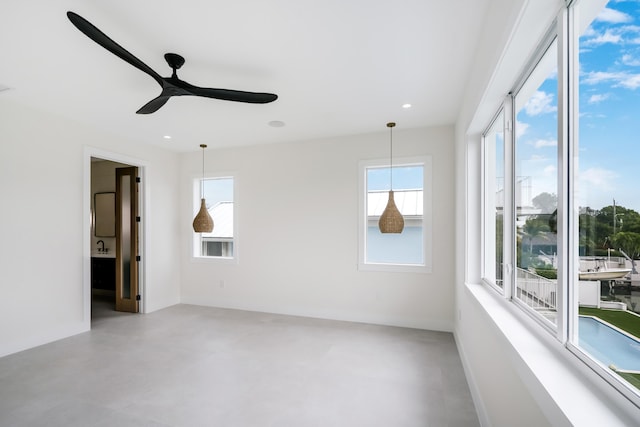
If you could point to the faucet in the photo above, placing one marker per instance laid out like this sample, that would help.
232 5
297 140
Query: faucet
102 248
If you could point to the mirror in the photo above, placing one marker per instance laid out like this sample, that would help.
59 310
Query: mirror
104 211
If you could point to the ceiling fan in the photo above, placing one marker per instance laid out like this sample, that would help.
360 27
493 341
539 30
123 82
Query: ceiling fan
171 86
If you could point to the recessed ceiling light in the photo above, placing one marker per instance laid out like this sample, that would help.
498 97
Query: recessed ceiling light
405 106
276 124
167 137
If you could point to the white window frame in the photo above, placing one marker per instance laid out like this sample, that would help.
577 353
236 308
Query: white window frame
566 28
571 216
427 229
487 215
553 35
196 244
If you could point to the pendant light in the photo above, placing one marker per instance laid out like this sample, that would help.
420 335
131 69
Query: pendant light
203 223
391 220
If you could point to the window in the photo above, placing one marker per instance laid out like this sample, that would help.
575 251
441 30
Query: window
219 195
536 186
606 195
409 250
494 197
561 231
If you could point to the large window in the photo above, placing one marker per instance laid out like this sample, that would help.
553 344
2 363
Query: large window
219 195
411 249
562 229
607 194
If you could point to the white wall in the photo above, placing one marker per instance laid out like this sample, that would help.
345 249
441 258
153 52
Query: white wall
298 231
42 247
503 398
501 394
518 373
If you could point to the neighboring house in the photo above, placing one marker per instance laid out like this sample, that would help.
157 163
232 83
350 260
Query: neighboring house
406 247
408 202
220 241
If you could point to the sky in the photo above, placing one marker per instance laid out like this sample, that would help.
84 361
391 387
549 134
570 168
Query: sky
218 190
404 178
609 115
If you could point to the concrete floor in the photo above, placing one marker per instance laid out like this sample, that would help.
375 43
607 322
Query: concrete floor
200 366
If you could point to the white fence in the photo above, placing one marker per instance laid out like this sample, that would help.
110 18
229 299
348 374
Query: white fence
536 291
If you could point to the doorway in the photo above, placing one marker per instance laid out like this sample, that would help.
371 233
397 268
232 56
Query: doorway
113 284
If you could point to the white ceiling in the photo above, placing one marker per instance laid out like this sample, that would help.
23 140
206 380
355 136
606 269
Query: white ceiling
339 67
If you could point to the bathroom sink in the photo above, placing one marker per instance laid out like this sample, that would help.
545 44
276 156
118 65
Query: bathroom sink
109 254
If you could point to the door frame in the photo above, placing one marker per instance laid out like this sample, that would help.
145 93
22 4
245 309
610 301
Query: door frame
127 248
143 202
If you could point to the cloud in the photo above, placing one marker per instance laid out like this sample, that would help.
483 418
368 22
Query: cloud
540 143
549 170
622 34
630 60
540 103
597 178
540 160
631 81
596 77
589 32
617 79
521 128
632 32
607 37
613 16
597 98
595 186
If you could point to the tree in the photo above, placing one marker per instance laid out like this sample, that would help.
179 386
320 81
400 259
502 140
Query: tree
628 220
535 226
589 240
597 228
629 242
546 202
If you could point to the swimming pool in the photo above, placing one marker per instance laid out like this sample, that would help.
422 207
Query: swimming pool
608 345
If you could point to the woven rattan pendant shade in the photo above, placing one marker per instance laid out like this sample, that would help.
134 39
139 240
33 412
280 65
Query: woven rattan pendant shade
203 223
391 220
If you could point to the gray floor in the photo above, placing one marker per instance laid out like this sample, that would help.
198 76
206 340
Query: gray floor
198 366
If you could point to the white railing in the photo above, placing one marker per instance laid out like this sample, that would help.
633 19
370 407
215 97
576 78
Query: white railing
536 291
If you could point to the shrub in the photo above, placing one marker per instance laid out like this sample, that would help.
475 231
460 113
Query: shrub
547 273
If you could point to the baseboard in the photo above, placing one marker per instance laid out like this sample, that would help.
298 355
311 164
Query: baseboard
45 339
440 326
483 418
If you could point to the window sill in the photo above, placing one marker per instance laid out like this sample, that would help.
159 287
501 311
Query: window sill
394 268
568 392
216 260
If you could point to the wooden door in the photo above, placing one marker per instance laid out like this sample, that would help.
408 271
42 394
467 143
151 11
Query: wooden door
127 254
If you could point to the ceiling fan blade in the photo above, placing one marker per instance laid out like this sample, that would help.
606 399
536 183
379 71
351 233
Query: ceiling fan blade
233 95
171 86
153 105
103 40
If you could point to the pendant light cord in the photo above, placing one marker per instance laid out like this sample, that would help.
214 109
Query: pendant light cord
390 126
202 182
391 158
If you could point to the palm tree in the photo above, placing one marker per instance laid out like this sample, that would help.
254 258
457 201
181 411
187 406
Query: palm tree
535 227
